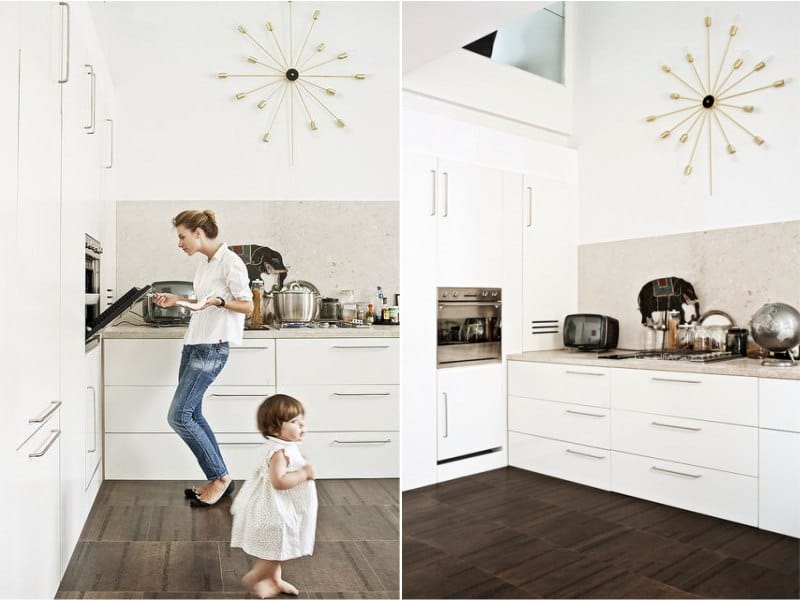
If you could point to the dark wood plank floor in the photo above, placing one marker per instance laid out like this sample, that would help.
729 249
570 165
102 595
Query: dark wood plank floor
143 540
510 533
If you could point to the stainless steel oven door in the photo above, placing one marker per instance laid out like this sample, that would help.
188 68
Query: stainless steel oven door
468 327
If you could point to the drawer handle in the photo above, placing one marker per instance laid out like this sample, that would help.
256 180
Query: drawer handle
585 373
241 443
249 347
689 475
584 454
675 380
357 347
676 426
344 442
236 395
47 412
375 395
577 412
50 441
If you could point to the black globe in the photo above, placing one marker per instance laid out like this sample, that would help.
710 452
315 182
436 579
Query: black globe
292 74
708 101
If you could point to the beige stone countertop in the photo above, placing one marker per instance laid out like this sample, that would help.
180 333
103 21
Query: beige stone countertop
747 367
148 332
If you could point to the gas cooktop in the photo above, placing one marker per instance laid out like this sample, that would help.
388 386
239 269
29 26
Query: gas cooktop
690 356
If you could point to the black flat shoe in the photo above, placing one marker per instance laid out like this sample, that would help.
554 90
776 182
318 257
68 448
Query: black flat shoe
190 493
228 491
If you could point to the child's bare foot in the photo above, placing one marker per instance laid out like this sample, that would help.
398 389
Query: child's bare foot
287 588
266 588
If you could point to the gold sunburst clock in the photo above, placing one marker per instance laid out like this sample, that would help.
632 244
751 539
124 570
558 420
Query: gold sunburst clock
711 100
291 77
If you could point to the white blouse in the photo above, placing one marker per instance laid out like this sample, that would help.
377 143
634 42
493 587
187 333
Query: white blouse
224 275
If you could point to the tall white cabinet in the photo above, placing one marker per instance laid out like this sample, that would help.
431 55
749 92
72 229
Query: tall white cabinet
44 427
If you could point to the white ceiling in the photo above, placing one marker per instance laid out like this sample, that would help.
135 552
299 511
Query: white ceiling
433 29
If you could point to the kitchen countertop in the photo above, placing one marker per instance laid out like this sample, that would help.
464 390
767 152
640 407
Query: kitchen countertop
747 367
148 332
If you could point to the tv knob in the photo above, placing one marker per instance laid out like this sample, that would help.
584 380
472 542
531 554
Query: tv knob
444 294
494 294
485 293
455 294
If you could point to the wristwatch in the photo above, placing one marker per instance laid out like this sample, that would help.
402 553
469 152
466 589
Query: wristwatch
221 301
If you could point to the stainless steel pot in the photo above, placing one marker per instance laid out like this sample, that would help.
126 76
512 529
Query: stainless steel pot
294 305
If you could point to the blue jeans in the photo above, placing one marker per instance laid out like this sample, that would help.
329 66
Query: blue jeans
200 365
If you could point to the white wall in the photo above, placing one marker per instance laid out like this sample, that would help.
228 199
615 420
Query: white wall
180 134
631 181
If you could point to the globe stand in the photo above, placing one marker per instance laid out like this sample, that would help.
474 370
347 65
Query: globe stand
780 362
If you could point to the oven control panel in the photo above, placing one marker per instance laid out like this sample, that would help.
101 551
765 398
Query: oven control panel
470 294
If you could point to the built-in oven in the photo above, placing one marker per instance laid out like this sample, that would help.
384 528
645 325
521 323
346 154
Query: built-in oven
468 322
94 251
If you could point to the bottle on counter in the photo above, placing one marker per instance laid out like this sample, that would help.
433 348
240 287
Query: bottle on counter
369 318
672 331
379 305
385 311
257 316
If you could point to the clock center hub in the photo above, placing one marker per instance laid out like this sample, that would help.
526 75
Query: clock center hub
293 74
708 101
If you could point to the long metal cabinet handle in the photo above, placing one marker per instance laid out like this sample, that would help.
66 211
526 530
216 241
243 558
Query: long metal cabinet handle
65 79
447 305
676 426
236 395
92 99
570 451
675 380
249 347
362 441
433 196
578 412
530 206
54 433
47 412
94 420
356 347
584 373
446 192
446 426
375 395
690 475
110 143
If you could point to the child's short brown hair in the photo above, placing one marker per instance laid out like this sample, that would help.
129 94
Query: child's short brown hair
275 411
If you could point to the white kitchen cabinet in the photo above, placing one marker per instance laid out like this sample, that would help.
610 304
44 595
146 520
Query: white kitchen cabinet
559 421
351 401
779 456
471 414
550 260
418 341
93 417
35 554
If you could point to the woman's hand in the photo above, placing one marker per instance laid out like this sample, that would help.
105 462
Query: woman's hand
165 300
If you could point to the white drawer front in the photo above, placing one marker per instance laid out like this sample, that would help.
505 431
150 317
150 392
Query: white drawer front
156 362
707 491
557 420
166 456
779 404
574 462
345 454
723 398
251 363
144 409
340 360
703 443
348 407
779 482
563 383
142 362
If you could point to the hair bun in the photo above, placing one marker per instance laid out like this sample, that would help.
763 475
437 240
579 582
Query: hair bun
210 214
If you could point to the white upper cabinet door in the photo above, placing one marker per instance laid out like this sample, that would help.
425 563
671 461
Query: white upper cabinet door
36 322
469 233
550 263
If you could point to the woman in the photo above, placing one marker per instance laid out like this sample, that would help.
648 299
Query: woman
223 300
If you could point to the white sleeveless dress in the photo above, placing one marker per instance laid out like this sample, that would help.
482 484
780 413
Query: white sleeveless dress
275 524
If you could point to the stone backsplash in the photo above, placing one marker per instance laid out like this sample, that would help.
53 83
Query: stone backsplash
736 270
334 245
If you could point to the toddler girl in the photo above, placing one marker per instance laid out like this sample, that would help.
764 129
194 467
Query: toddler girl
275 513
